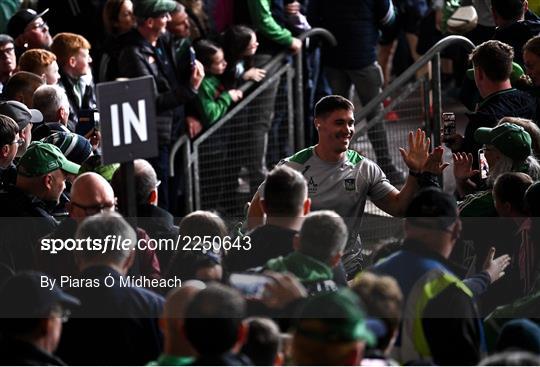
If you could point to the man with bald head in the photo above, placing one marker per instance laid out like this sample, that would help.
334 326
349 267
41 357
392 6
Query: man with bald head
90 194
177 351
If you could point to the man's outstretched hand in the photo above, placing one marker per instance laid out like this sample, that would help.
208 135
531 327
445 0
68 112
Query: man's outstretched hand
418 153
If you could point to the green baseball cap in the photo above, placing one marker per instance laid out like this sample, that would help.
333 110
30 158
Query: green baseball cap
41 158
512 140
517 72
335 317
152 8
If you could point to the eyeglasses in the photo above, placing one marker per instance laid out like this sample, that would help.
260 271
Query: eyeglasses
42 25
94 209
19 142
158 183
62 313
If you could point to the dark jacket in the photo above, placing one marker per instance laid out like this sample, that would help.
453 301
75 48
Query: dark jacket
77 111
18 353
453 335
355 24
113 326
139 58
509 102
268 241
158 224
26 219
108 65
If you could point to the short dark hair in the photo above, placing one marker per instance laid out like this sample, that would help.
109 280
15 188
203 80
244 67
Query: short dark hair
213 318
495 59
263 341
431 208
285 191
510 188
509 10
533 46
5 39
323 235
205 50
8 130
331 103
234 41
21 82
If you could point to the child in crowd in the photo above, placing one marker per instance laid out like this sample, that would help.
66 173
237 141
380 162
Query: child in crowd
40 62
239 45
213 99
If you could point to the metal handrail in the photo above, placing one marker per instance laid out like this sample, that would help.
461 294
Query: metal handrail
434 52
276 60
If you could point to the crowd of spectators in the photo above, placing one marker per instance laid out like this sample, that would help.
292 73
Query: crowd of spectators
293 284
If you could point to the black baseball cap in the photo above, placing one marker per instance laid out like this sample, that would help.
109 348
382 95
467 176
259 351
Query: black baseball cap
28 295
20 20
432 208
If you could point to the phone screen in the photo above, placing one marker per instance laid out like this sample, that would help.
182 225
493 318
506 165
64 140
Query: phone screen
250 285
192 56
483 164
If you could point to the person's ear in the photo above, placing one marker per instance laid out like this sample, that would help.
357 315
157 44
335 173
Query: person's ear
456 229
48 181
335 259
44 326
153 197
264 206
355 356
149 22
72 61
4 151
128 262
307 206
62 114
280 359
317 123
242 335
480 72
